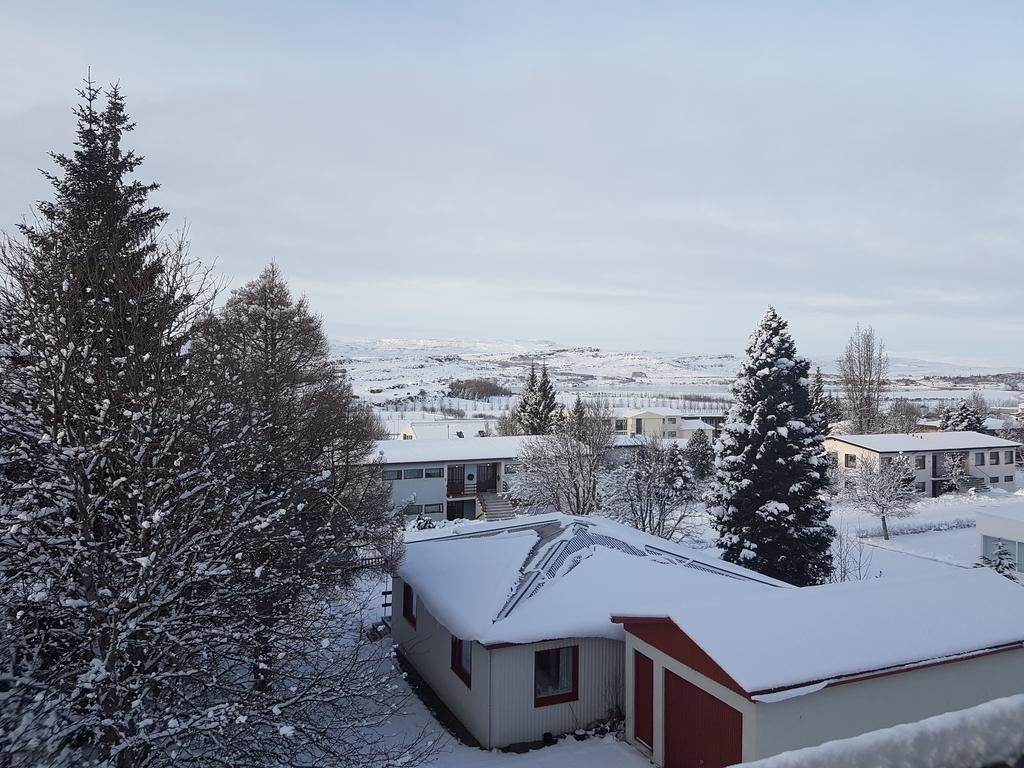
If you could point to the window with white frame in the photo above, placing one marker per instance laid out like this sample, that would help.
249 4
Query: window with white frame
392 474
850 460
979 459
433 472
993 458
433 509
413 474
920 462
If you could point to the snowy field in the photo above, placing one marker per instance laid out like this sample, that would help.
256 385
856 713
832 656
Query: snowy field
388 369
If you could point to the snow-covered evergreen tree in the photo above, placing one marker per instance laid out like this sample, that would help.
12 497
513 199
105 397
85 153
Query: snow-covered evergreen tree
954 466
1002 562
701 455
144 543
962 417
767 496
537 404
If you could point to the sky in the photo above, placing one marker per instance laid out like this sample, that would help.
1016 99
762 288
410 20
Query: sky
625 175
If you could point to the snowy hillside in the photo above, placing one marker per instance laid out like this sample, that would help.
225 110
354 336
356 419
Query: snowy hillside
386 370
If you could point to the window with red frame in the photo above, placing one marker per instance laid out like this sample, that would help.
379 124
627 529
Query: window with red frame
409 604
462 660
556 675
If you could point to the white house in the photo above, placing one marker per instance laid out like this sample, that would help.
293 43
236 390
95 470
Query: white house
990 461
510 623
1001 525
449 479
662 422
448 429
746 676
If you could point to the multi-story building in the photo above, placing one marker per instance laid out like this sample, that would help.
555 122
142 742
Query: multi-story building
449 479
663 422
989 462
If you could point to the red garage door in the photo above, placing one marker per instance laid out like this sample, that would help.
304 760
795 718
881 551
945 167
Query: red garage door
643 698
700 730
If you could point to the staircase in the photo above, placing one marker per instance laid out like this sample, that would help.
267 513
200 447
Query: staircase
975 484
494 507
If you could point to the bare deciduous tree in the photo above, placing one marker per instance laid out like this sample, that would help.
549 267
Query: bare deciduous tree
654 491
863 372
562 470
884 489
903 416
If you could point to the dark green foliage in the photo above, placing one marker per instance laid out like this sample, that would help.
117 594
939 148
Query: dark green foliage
767 494
701 455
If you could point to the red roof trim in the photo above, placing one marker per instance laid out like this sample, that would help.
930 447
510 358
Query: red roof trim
854 677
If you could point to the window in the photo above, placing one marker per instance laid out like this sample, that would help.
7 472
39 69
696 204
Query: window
413 509
851 460
979 459
413 474
919 487
920 462
620 425
1008 457
886 461
671 434
993 479
1008 479
392 474
993 458
433 472
462 660
671 419
409 604
433 509
556 675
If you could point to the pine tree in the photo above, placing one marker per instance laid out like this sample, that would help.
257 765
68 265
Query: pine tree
963 417
1002 562
537 404
701 455
767 493
825 404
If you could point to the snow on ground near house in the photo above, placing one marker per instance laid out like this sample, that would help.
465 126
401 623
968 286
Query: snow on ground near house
956 546
985 735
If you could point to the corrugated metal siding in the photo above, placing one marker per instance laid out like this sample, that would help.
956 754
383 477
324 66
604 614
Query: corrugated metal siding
515 719
428 649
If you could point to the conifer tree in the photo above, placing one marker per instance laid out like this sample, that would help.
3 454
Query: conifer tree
1002 561
537 404
767 496
701 455
963 417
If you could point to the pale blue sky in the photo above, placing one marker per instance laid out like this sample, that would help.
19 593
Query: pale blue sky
617 174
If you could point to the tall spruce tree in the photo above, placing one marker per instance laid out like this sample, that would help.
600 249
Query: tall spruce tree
537 404
767 496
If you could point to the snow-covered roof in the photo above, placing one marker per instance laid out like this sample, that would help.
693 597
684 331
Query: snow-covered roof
420 451
695 424
995 423
805 637
925 441
452 428
555 576
635 441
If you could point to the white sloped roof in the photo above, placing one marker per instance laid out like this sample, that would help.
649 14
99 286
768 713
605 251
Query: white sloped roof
445 429
421 451
555 576
785 638
925 441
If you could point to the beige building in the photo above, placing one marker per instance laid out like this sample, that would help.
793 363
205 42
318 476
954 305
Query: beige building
990 462
665 423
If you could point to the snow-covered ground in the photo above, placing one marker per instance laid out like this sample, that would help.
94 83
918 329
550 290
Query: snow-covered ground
389 369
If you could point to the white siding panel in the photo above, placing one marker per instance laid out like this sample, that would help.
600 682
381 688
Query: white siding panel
514 718
840 711
427 647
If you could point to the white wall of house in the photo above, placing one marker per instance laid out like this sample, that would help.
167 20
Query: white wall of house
426 493
1001 474
839 711
427 647
514 718
995 529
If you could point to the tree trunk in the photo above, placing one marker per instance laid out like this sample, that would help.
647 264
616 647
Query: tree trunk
885 529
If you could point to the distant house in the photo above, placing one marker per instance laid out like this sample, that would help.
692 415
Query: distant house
448 429
509 623
663 422
449 479
743 677
990 462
